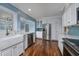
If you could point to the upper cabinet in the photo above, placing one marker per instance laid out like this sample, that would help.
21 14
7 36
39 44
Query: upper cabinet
70 15
39 24
8 19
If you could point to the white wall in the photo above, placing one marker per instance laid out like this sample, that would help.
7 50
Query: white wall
56 23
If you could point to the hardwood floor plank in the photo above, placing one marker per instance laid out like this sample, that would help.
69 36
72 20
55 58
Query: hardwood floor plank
43 48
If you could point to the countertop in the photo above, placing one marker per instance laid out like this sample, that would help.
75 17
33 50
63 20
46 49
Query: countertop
8 41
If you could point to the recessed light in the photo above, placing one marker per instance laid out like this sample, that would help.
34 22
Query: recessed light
29 10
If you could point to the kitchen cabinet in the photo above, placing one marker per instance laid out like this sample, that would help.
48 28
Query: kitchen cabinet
0 53
15 50
25 41
64 20
67 17
34 37
7 52
39 34
70 15
19 48
60 43
39 24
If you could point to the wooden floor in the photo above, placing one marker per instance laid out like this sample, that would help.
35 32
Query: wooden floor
43 48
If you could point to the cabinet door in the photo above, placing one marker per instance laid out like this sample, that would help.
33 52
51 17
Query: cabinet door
64 19
73 14
25 42
60 43
0 53
17 49
69 22
14 51
20 48
7 52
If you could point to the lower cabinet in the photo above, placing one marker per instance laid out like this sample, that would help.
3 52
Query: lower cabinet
20 48
15 50
7 52
0 53
25 42
60 46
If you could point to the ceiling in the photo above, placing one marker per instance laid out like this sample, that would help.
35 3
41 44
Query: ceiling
39 10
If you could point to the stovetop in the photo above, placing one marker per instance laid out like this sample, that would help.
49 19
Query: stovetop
74 43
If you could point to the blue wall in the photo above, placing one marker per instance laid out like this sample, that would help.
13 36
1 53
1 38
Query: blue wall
74 30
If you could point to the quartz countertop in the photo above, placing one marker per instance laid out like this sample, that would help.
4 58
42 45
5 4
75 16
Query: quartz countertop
8 41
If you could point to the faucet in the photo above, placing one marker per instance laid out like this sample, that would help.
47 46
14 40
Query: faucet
7 32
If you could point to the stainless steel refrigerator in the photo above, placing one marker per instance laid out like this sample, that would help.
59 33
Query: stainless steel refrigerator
47 31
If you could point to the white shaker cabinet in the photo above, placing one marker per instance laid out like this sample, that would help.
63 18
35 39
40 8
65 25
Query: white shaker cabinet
39 34
14 51
17 49
60 43
64 20
73 14
25 42
20 48
70 15
0 53
7 52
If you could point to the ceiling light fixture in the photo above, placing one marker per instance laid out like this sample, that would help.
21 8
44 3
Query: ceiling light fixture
29 10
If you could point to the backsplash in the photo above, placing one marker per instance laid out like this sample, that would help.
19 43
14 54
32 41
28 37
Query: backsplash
74 30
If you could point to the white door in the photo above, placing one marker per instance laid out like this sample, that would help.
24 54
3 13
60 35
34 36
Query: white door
7 52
